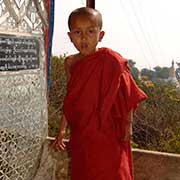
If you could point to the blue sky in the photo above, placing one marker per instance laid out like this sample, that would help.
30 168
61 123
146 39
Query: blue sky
147 31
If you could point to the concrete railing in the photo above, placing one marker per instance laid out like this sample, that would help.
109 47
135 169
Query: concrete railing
151 165
148 165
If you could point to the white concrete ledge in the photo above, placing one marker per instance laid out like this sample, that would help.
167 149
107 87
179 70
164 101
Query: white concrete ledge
156 153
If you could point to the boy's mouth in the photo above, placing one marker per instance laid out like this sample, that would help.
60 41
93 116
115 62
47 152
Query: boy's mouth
84 45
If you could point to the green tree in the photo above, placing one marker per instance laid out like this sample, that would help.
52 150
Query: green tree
149 73
157 73
178 72
134 70
165 73
162 73
156 123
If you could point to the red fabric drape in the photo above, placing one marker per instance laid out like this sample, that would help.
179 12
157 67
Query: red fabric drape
100 94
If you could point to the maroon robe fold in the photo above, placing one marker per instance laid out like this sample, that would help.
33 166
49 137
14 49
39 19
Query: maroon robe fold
100 94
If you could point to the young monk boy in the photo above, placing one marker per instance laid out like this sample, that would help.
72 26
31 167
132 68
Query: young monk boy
101 97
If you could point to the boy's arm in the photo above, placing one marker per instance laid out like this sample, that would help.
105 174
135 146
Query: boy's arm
63 125
63 121
128 130
58 143
67 66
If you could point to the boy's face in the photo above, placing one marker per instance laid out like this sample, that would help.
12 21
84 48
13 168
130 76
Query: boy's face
85 33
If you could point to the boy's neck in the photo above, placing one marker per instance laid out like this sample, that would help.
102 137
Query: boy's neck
81 56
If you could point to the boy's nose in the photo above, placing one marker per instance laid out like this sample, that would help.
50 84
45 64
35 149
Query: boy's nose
83 36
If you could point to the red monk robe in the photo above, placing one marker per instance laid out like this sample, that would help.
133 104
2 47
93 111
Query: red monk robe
100 94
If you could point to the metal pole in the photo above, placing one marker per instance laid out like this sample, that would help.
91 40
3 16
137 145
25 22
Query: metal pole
90 3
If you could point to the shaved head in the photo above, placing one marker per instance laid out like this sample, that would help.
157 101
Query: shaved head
85 11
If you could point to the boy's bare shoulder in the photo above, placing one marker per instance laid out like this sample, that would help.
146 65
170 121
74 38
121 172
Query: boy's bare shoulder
70 60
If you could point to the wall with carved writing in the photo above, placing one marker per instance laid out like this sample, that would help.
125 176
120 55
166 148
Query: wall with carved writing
23 87
18 53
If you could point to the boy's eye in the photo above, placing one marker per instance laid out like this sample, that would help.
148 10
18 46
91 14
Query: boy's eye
77 32
91 31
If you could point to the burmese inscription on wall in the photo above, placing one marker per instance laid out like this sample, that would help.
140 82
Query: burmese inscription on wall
18 53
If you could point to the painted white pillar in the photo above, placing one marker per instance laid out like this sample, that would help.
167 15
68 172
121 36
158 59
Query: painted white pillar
23 87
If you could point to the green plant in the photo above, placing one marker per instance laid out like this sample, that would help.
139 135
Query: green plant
157 120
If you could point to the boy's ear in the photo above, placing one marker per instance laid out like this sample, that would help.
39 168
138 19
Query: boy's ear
69 34
101 35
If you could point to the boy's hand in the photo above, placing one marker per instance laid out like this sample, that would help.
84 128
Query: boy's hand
58 143
128 131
